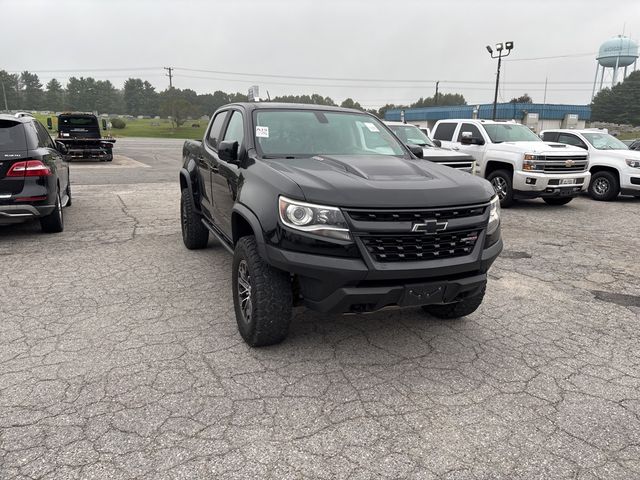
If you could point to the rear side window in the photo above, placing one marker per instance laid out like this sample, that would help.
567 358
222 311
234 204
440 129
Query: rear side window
43 136
12 136
444 131
550 137
216 129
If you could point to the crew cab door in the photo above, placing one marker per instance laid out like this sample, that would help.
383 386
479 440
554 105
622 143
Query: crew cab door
207 160
476 151
225 175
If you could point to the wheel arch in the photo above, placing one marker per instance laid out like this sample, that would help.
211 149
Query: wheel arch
603 168
494 165
243 223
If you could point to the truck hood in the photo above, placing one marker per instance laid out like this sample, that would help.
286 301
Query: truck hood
381 181
444 153
617 154
541 148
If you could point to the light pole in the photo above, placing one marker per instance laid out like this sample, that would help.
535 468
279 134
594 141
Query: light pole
500 48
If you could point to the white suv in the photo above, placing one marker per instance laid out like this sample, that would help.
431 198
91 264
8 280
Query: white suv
516 161
614 168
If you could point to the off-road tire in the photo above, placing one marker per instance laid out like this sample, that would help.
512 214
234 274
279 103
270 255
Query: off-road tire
456 310
194 234
54 222
557 201
601 179
506 199
270 297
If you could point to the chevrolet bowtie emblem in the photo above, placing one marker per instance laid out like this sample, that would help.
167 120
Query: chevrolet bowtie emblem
429 226
569 163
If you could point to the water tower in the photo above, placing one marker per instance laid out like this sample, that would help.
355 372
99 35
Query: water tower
617 52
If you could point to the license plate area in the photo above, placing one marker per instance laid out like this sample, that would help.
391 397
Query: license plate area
423 294
567 181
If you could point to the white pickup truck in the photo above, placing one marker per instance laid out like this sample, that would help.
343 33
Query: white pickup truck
614 168
516 161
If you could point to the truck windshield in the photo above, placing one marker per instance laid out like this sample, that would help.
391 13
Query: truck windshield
510 132
411 134
305 133
604 141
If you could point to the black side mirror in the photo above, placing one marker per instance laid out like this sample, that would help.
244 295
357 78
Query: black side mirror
104 124
61 147
228 151
437 143
49 123
416 150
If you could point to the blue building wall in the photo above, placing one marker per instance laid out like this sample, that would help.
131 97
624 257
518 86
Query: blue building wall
504 111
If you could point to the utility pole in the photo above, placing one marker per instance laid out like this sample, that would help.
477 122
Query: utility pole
4 94
436 99
170 75
500 47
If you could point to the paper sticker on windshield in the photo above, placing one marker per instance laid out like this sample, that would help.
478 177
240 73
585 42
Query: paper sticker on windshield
371 126
262 132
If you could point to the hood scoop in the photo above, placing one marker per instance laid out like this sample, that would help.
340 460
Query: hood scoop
376 168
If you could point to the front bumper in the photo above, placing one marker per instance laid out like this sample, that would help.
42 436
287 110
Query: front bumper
630 181
340 285
535 184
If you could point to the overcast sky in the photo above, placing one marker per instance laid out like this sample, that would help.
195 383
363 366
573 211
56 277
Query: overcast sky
419 41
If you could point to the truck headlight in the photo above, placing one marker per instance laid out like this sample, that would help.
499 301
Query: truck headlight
632 162
530 162
494 215
316 219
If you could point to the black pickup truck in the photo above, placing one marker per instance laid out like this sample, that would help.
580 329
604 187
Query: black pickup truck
324 206
80 132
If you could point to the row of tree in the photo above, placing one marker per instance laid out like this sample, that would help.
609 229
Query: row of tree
620 104
139 97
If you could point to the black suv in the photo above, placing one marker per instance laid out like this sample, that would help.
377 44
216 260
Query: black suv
324 206
34 174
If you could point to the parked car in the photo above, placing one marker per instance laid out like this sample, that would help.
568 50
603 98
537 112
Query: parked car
80 132
516 161
634 145
615 169
411 134
34 174
426 131
324 206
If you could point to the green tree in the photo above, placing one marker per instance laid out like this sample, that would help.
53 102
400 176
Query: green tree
620 104
350 103
10 82
174 103
522 99
54 96
31 94
134 96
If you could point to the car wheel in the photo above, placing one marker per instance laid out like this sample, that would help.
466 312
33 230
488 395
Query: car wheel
109 158
261 296
557 201
502 183
604 186
194 234
54 222
456 310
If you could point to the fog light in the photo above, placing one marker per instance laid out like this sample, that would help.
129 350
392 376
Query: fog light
530 181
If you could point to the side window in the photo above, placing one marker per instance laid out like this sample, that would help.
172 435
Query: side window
550 137
469 127
43 136
216 128
235 129
571 140
445 131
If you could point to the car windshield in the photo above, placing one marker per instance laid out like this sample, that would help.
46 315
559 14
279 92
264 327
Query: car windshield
604 141
510 132
305 133
411 134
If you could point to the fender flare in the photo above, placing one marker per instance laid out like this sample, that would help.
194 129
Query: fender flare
253 221
184 174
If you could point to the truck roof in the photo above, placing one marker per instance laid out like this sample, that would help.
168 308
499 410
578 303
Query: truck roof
290 106
16 119
478 120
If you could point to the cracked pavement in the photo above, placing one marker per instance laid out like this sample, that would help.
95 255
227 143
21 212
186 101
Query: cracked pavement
120 358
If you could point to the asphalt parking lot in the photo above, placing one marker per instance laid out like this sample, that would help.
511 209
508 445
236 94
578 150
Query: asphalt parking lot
120 358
